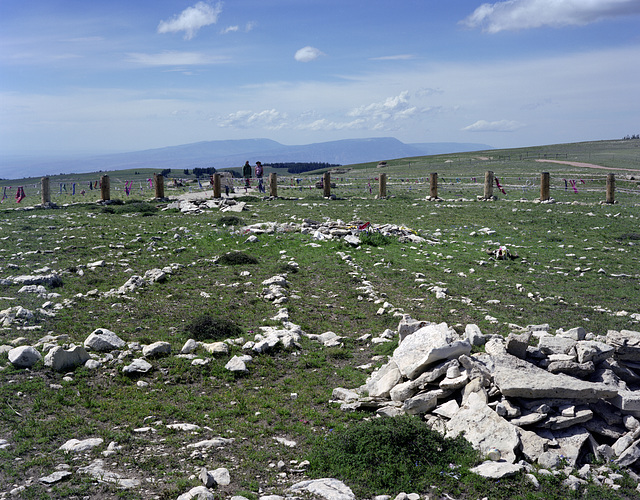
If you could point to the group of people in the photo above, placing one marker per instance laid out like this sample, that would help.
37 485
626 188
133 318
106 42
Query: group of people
247 171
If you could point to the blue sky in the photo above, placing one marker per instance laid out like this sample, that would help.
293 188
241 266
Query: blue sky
93 77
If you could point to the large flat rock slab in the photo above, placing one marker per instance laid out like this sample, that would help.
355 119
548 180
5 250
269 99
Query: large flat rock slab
518 378
484 429
426 346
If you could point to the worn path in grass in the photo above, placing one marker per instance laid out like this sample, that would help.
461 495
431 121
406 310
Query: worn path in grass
587 165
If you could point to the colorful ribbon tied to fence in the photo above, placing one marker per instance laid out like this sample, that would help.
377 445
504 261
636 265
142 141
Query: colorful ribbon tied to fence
20 194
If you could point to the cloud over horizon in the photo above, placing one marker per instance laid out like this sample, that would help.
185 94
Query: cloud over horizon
269 119
512 15
174 58
191 19
496 126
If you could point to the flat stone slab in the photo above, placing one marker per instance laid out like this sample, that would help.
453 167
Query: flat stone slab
520 379
330 489
626 343
484 428
627 401
55 477
426 346
76 445
496 470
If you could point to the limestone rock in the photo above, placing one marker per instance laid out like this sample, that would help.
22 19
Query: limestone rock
97 471
426 346
408 325
62 360
238 364
76 445
579 370
216 347
556 345
197 493
516 344
421 403
137 366
103 340
343 394
329 489
189 346
591 350
571 442
630 455
474 335
56 477
484 429
496 470
517 378
156 349
24 356
626 344
221 476
448 409
383 380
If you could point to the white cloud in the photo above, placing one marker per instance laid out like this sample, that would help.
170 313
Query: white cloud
234 29
323 125
191 19
523 14
398 57
269 119
497 126
392 108
307 54
174 58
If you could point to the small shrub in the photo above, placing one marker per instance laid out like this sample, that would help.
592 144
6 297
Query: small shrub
374 239
287 268
206 327
229 220
387 455
237 259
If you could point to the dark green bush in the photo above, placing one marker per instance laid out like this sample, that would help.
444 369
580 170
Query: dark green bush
229 220
389 455
374 238
206 327
130 207
236 259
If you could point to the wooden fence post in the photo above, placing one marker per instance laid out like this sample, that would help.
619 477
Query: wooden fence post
544 186
44 188
611 188
382 187
488 184
158 180
217 191
273 185
105 188
326 184
433 185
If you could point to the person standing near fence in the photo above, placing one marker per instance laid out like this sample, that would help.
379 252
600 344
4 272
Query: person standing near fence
246 173
259 174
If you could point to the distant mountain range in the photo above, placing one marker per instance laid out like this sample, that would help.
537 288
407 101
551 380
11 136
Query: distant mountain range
233 153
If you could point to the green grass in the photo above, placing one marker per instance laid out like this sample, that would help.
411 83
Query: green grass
217 279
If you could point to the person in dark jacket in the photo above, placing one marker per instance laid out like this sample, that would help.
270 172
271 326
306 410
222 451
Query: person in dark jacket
246 173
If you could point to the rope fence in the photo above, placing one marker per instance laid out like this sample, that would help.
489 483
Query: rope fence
380 186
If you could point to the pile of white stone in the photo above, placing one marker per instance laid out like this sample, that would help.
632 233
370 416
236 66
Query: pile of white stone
558 401
335 229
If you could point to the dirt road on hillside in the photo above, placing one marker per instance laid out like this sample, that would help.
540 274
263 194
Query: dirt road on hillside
588 165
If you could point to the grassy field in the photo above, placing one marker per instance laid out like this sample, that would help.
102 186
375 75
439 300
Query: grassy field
578 265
